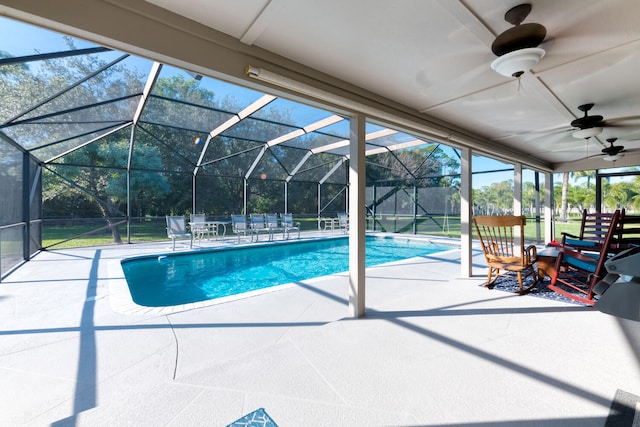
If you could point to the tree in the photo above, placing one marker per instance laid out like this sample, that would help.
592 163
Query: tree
563 200
590 174
106 187
619 194
529 197
494 199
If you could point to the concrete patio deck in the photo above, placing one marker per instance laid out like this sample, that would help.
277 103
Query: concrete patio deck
433 349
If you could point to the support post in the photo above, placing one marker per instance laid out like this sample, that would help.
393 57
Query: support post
26 207
598 191
194 200
319 208
549 232
415 207
517 189
517 194
132 139
245 196
357 189
286 197
374 206
537 207
466 237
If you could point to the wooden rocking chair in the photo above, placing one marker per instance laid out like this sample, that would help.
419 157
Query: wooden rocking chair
578 269
593 231
504 250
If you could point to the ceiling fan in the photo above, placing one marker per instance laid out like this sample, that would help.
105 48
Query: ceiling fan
589 126
612 152
517 48
609 153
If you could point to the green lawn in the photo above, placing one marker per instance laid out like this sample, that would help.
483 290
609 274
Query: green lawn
153 230
450 226
150 230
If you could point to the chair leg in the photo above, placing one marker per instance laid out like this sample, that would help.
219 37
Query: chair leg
529 288
490 283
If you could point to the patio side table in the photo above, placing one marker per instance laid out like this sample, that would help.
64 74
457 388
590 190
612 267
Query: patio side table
546 262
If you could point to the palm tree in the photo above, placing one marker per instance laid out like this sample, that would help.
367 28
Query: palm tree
563 200
585 174
565 187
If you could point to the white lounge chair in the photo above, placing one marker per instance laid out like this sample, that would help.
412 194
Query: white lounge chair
198 226
177 228
239 225
273 224
343 221
288 224
258 225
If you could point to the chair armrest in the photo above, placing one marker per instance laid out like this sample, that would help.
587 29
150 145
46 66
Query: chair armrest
584 244
567 234
575 254
531 254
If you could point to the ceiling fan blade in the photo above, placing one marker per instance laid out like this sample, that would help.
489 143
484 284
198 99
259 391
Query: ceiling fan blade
624 123
617 120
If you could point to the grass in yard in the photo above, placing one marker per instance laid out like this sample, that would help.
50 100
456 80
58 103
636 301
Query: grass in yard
148 231
154 230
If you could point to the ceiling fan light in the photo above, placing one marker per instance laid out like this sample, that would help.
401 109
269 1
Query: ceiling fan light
612 158
513 64
587 133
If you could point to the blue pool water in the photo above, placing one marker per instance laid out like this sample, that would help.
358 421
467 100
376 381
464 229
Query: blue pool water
161 281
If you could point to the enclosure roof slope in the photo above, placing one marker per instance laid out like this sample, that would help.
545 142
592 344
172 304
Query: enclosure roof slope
432 57
80 93
435 57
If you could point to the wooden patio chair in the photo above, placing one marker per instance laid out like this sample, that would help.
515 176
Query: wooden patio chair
502 241
578 268
628 233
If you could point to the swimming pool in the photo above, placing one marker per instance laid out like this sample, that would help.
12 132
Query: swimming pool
169 280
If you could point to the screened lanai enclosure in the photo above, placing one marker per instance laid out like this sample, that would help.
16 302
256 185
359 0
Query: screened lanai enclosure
98 146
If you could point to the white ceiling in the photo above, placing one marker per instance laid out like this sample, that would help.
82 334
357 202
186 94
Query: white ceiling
434 56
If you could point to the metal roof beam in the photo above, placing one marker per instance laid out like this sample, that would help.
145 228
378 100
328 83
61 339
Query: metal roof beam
307 129
256 161
67 89
87 143
151 80
53 55
332 171
298 166
247 111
